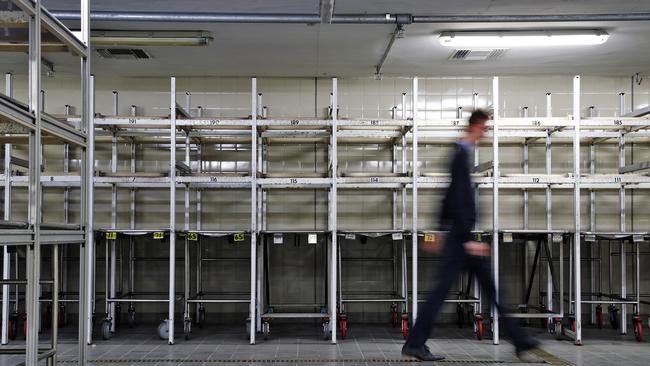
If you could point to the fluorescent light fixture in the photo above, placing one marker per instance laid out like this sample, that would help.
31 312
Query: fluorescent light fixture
506 39
150 38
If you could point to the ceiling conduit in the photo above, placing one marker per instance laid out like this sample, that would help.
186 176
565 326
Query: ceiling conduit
122 16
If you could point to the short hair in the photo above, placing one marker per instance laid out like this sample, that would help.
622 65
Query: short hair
479 116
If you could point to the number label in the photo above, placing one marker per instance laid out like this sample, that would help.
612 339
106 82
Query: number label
192 236
618 122
537 123
159 235
617 179
132 121
111 235
238 237
374 122
214 121
214 179
293 180
430 238
374 180
535 180
295 122
455 122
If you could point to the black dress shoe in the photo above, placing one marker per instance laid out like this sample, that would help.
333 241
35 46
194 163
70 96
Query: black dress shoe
421 353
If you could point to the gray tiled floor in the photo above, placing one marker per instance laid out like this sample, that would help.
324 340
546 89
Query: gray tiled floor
366 345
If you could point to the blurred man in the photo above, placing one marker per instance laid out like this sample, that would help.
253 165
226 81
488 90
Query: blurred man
460 251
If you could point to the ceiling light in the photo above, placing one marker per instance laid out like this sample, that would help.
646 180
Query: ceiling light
505 39
150 38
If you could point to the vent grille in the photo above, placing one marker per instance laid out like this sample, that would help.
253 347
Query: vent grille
476 55
124 53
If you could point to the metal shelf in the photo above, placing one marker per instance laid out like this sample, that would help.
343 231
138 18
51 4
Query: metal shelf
27 124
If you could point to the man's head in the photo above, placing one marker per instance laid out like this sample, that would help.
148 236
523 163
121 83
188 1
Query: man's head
477 125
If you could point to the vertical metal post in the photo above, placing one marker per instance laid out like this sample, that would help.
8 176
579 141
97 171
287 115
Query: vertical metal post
186 226
549 212
414 197
576 207
111 243
66 210
252 312
259 105
592 223
621 200
172 210
34 192
333 212
404 114
404 261
525 152
6 258
199 244
55 301
495 205
477 286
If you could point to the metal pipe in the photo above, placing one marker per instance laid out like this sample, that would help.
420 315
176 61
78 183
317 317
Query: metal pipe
142 16
397 33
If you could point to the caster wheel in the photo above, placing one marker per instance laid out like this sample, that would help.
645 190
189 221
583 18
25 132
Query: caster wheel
47 317
558 328
599 317
63 316
550 326
12 330
201 317
131 318
479 327
459 315
393 315
266 330
344 326
163 329
327 330
638 329
118 315
405 325
187 328
106 329
573 325
613 317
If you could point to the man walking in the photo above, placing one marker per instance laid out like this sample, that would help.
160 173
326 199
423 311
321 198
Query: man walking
460 251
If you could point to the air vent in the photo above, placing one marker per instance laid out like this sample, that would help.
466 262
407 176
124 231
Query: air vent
476 55
123 53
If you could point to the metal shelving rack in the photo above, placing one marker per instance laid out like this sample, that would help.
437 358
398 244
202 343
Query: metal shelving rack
621 130
30 122
575 129
318 130
390 133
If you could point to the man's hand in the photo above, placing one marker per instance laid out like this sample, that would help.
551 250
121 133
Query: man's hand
477 248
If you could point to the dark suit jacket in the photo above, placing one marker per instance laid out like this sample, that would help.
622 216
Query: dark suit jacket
458 212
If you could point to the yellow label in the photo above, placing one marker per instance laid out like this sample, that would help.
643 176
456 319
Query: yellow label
429 237
239 237
192 236
112 235
159 235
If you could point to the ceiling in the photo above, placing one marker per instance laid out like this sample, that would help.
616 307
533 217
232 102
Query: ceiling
354 50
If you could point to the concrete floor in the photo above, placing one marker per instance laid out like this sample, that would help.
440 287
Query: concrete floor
366 345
